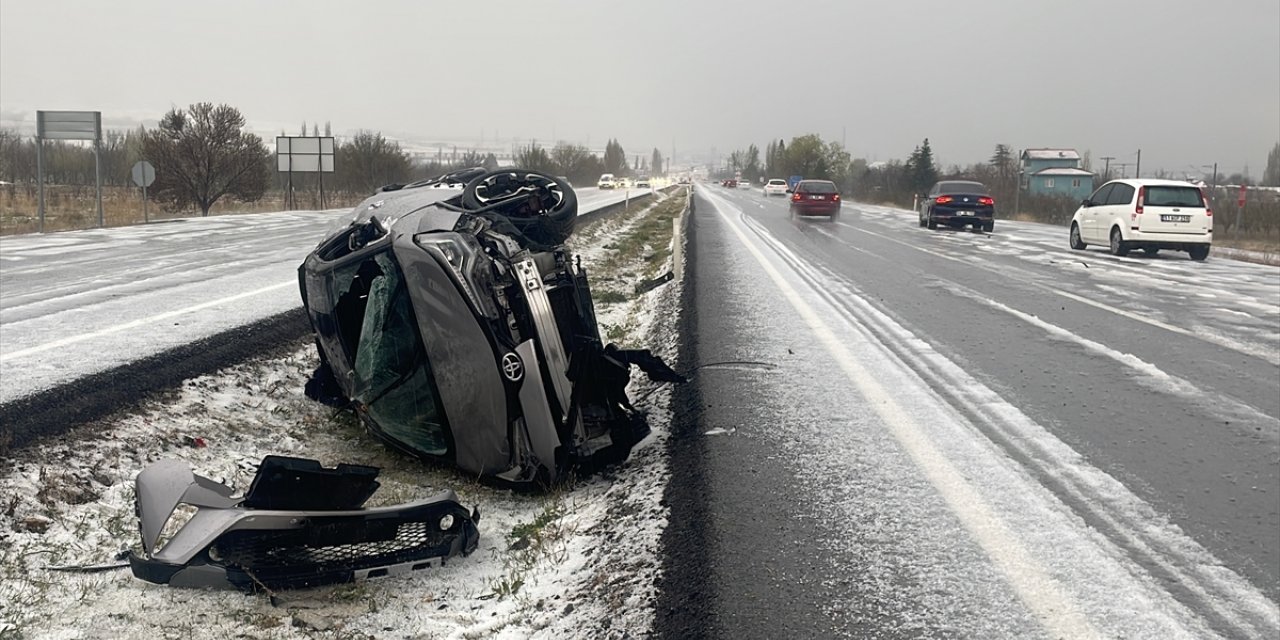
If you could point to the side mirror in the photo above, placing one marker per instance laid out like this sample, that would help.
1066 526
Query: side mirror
1086 203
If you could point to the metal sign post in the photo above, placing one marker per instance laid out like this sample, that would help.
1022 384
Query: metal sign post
143 175
1235 228
69 125
304 154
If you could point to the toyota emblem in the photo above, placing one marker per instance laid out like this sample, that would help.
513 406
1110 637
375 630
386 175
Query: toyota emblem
512 368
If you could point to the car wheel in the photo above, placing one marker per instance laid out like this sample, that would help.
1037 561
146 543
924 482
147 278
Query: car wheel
506 192
1151 251
1199 252
928 221
1118 246
920 220
1076 242
989 226
833 217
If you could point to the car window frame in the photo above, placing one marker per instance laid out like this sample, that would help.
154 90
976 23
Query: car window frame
1098 198
1115 192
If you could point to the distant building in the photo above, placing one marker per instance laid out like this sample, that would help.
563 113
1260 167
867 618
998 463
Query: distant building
1055 172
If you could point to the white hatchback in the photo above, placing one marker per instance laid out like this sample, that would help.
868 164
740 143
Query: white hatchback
1151 215
775 187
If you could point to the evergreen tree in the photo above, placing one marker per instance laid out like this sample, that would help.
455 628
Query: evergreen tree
1271 175
656 164
1002 162
615 159
923 172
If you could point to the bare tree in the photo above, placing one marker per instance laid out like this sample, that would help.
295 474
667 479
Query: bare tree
369 160
203 154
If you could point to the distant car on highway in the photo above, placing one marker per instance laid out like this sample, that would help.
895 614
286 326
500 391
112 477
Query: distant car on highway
958 203
775 187
744 184
624 183
607 181
729 182
643 183
815 198
1151 215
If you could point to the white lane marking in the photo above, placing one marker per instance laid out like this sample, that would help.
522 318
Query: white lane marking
40 348
1037 589
1221 341
1146 535
845 242
1180 387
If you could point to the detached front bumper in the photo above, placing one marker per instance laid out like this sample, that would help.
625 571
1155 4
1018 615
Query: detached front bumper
260 543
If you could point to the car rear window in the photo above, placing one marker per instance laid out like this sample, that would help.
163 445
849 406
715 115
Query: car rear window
818 187
777 182
1173 197
963 187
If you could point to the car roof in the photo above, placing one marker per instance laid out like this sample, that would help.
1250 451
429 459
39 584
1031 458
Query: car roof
817 181
1153 182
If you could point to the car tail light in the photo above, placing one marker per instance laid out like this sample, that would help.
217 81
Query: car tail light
943 199
1142 198
836 197
795 197
986 201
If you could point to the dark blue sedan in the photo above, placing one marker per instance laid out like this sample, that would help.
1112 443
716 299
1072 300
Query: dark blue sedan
958 203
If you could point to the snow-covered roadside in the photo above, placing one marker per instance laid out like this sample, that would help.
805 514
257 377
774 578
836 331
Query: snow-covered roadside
581 562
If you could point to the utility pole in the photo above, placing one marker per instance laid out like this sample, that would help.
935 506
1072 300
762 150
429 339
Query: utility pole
1106 172
1137 172
1017 186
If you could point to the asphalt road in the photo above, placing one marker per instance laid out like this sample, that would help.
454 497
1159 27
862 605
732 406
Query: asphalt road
894 432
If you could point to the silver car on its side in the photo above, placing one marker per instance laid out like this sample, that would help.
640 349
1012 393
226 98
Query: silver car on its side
459 328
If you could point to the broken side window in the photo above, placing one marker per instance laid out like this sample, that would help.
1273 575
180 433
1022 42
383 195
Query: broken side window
393 377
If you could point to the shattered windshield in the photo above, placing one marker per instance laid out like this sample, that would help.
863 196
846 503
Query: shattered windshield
393 377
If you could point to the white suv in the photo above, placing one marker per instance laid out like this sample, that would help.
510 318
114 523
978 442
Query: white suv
1145 214
606 181
775 187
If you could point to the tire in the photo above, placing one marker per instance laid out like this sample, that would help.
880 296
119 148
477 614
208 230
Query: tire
928 221
1199 252
1118 246
989 226
833 217
1076 242
548 221
920 220
1151 251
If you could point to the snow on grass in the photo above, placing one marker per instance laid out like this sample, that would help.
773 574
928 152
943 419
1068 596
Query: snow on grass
578 562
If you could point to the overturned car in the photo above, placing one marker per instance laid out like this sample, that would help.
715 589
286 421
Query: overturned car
459 329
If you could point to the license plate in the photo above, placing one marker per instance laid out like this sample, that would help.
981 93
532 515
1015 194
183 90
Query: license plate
1172 218
964 213
815 197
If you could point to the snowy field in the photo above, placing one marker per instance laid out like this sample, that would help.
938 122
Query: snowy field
580 562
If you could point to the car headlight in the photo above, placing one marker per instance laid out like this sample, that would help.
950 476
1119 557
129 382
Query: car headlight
461 261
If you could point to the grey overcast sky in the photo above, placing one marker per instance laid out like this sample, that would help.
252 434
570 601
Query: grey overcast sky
1190 82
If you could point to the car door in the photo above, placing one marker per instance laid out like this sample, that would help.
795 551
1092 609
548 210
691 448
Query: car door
927 203
1116 212
1089 214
